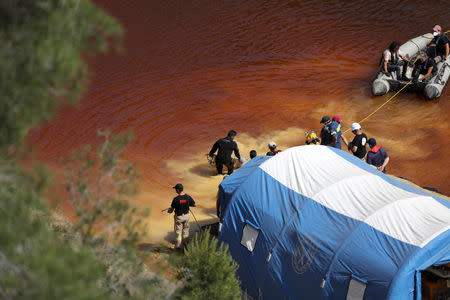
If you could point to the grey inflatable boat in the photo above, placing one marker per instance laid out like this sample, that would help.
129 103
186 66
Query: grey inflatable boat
431 88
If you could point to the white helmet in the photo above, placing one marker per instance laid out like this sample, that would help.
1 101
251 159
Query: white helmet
356 126
272 145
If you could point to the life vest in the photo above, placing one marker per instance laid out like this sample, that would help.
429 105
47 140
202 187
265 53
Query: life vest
394 58
436 48
436 40
375 149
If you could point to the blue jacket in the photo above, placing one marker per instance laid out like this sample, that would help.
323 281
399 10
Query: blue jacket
335 132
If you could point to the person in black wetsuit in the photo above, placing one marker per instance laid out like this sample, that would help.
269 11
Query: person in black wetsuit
226 147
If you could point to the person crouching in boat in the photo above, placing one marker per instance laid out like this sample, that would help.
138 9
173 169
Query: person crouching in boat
393 59
424 66
439 47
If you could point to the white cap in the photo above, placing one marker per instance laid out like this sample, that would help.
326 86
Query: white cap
356 126
272 145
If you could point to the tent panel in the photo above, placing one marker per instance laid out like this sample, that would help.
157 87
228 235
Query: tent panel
231 183
348 189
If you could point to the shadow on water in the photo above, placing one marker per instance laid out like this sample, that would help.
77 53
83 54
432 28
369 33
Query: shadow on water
208 210
204 170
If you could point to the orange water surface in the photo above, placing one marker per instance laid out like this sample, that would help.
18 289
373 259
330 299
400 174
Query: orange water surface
192 70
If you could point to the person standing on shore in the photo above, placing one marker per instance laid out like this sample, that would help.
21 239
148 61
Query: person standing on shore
331 133
273 149
180 204
340 121
226 147
377 156
358 145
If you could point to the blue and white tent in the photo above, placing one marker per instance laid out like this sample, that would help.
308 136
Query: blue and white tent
314 222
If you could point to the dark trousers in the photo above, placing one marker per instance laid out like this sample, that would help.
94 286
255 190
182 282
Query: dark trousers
228 164
396 68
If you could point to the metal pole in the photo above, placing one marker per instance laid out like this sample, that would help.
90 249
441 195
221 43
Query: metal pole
199 227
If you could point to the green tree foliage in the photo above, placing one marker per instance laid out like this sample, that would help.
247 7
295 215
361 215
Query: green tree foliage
41 62
35 262
208 271
42 43
99 184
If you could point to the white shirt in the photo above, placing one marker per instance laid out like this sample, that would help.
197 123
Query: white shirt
387 55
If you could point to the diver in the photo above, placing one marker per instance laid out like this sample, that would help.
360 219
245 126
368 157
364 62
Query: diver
392 60
226 147
273 149
424 66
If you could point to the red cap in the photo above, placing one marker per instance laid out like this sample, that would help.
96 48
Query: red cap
337 119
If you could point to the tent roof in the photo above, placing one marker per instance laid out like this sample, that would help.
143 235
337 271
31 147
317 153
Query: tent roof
349 217
390 206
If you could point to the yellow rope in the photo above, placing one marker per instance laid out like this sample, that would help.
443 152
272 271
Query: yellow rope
382 105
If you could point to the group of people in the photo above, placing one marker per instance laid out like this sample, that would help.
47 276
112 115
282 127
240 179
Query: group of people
438 50
393 60
331 135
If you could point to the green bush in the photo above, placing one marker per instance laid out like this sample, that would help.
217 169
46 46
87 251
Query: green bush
35 262
100 183
208 271
41 58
